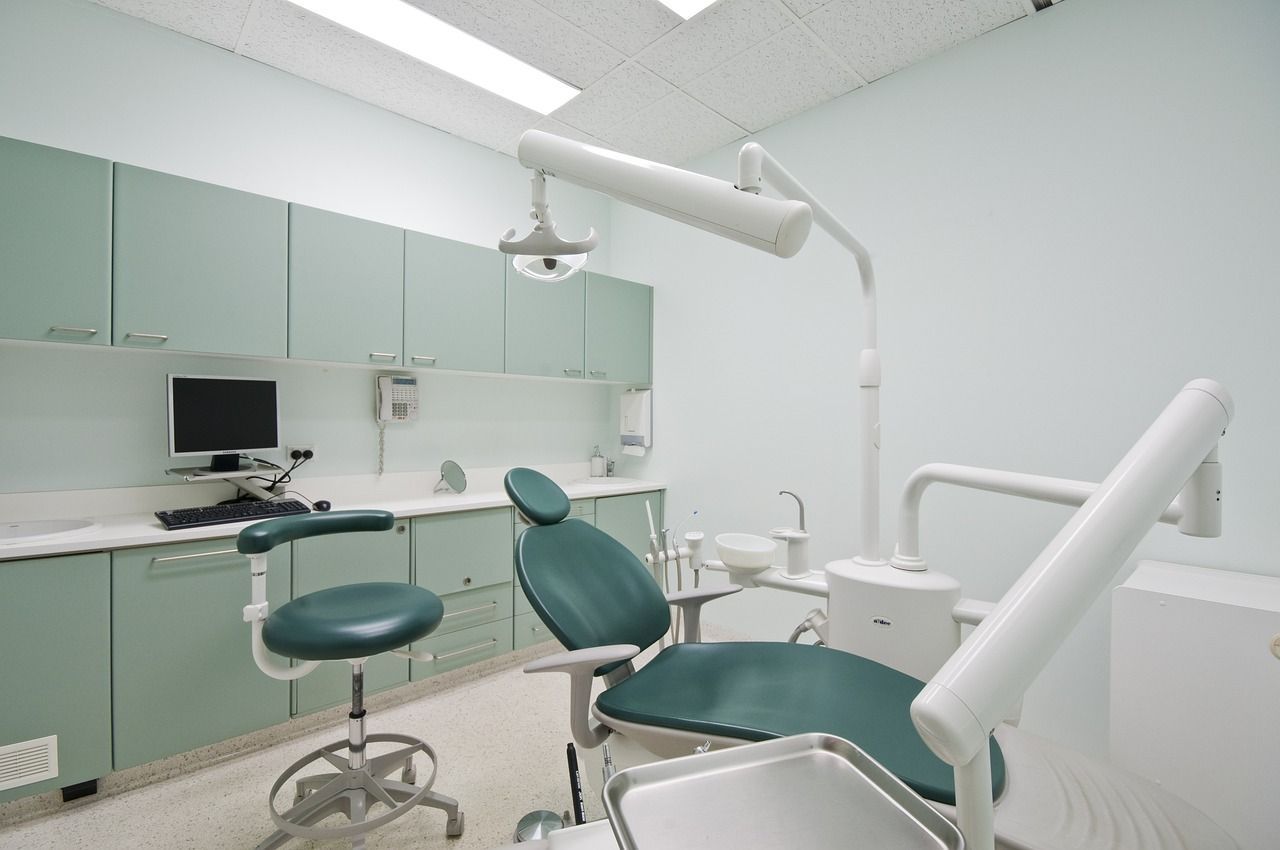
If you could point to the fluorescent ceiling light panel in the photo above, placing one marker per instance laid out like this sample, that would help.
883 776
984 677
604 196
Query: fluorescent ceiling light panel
415 33
686 8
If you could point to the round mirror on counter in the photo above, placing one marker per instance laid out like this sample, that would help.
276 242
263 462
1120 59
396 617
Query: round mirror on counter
451 477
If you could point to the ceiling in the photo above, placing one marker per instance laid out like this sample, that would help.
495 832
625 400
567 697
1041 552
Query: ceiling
653 85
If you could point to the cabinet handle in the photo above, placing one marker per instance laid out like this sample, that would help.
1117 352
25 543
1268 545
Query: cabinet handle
573 371
171 558
384 355
67 329
599 372
490 642
536 629
415 358
471 611
136 335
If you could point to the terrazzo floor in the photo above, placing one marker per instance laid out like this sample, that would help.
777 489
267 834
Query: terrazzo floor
501 744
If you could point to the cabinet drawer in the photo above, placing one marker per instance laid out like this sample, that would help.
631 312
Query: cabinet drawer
475 607
520 601
463 551
463 647
527 630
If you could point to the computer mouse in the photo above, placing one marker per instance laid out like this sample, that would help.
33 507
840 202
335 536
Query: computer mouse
321 504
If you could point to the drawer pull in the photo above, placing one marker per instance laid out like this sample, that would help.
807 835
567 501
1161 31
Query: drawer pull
67 329
573 372
536 629
381 355
415 358
171 558
490 642
476 610
136 335
599 372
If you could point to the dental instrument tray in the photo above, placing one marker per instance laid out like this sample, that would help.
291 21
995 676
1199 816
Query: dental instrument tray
813 791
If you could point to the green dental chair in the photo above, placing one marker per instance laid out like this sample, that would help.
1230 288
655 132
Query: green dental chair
604 606
347 623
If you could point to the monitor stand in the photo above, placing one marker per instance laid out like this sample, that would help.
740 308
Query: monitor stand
222 463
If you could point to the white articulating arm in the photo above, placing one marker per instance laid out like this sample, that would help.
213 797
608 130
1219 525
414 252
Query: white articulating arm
255 614
966 699
690 603
581 665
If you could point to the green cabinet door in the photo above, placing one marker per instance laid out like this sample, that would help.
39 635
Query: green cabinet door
346 287
55 244
332 560
182 670
454 298
55 626
619 329
197 267
545 326
624 519
462 551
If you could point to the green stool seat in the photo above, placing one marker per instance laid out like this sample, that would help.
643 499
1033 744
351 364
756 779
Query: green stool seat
352 621
757 691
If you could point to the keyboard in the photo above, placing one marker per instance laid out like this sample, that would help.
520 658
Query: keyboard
238 512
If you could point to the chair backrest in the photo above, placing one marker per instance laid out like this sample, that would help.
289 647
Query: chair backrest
587 588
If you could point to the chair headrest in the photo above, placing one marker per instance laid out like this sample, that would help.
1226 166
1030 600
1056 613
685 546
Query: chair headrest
536 496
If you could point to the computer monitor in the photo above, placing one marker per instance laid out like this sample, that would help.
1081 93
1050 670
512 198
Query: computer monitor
222 417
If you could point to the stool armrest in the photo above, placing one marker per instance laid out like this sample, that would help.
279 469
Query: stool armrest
690 603
581 664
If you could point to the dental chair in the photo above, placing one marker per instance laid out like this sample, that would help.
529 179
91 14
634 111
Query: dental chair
604 606
347 623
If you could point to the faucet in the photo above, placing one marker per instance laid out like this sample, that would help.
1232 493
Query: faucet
799 501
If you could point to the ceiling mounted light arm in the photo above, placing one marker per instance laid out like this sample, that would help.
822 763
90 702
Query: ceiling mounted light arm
543 254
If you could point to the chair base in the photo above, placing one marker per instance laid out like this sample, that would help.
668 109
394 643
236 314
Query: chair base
354 791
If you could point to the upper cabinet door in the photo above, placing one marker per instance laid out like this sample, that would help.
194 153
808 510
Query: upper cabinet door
55 244
545 331
619 329
453 304
346 287
197 267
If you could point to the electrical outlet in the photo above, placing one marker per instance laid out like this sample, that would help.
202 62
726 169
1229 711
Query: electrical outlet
298 452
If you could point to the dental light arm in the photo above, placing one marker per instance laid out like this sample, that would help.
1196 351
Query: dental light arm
581 665
963 702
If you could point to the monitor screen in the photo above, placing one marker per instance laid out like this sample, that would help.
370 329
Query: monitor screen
221 416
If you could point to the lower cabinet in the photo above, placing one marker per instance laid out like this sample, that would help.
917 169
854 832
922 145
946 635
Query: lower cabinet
527 630
624 519
465 646
56 669
182 673
321 562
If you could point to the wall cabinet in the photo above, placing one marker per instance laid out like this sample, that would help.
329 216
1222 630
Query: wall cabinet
55 244
335 559
346 288
56 667
619 329
197 267
545 326
182 672
454 305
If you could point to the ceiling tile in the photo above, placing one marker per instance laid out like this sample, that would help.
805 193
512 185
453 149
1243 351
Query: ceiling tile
612 99
551 125
673 130
877 37
626 25
215 21
778 78
530 33
712 37
286 37
804 7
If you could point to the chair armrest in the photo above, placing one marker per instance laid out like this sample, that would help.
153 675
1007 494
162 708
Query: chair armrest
581 664
691 602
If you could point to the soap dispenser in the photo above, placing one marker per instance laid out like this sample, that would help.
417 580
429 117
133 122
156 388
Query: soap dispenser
597 464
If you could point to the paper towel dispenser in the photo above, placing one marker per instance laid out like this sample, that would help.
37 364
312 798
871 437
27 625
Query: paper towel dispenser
636 421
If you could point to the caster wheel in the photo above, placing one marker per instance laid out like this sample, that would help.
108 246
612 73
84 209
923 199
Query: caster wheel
454 827
409 775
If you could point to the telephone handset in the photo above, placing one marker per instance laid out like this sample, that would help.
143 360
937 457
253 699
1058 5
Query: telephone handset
397 398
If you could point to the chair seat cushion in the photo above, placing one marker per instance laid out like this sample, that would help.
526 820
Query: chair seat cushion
758 691
352 621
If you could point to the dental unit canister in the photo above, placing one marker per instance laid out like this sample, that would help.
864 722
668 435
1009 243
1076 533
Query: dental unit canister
598 467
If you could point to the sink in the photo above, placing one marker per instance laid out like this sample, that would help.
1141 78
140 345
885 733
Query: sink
24 532
603 482
745 553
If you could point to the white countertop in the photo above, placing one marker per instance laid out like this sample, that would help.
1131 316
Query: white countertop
124 517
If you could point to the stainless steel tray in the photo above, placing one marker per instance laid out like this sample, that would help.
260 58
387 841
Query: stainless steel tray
806 791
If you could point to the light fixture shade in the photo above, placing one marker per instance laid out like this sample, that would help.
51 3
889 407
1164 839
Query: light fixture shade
546 268
779 227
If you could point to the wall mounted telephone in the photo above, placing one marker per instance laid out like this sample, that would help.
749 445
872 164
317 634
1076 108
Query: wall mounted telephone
397 398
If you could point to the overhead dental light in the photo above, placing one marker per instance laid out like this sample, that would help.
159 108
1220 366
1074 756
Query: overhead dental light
736 212
543 254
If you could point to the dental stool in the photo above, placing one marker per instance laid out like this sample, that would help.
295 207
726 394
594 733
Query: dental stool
347 623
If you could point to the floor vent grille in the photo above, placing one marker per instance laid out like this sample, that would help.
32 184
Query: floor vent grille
28 762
